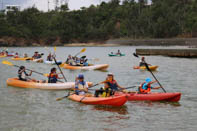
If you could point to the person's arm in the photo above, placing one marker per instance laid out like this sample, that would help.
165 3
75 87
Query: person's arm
28 74
156 87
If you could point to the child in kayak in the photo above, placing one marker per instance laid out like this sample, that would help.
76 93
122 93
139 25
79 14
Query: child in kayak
113 85
104 91
146 87
22 75
53 76
81 87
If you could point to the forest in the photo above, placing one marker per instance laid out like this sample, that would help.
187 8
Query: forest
109 20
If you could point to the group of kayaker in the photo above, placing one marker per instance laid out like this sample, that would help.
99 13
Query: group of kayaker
117 53
76 61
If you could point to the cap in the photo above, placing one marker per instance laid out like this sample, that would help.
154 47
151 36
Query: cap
148 80
80 76
110 74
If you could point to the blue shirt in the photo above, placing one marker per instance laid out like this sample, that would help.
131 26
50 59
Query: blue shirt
145 86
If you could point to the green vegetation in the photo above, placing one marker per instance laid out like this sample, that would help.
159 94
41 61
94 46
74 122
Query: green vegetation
131 19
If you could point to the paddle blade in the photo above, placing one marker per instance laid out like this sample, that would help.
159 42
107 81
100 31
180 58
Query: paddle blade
47 75
55 48
135 55
83 50
7 63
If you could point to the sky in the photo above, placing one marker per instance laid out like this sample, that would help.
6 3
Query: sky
43 4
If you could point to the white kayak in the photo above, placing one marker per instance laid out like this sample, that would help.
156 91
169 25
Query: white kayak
52 62
49 86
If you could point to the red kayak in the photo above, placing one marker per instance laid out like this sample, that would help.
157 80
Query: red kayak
111 101
171 97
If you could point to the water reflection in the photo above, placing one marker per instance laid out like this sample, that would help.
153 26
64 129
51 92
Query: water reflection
123 110
158 103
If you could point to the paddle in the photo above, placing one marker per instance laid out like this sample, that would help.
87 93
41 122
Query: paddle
10 64
151 73
58 65
83 50
58 99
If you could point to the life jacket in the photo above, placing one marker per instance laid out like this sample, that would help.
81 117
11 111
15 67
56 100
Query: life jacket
79 85
113 85
52 78
22 75
144 91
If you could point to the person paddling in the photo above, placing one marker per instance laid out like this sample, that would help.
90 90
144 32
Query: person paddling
113 85
143 62
81 87
49 57
22 75
118 53
53 76
146 87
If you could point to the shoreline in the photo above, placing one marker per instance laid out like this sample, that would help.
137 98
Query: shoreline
15 42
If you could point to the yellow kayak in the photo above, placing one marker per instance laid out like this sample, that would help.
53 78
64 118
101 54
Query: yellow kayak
21 58
1 56
144 67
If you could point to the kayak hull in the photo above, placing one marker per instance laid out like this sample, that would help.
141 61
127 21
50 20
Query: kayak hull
144 68
116 55
40 60
93 67
2 56
110 101
171 97
48 86
52 62
18 59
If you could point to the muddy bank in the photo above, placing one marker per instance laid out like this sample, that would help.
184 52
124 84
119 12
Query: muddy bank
21 42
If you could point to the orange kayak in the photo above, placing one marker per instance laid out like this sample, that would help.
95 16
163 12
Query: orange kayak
110 101
92 67
49 86
144 68
154 96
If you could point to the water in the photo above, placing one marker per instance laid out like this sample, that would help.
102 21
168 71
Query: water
38 110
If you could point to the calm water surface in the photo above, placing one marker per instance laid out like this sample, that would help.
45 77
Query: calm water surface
38 110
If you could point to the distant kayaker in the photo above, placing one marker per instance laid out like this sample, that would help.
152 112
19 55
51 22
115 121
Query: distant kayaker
49 57
81 87
53 76
146 86
16 55
118 53
68 60
25 55
142 61
22 75
36 55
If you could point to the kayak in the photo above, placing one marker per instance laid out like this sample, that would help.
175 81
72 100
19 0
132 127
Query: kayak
52 62
22 58
49 86
1 56
153 96
116 54
144 68
40 60
91 67
110 101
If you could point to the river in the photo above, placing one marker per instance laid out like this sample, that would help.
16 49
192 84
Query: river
38 110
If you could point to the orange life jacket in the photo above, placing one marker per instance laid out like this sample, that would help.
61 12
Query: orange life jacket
143 91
